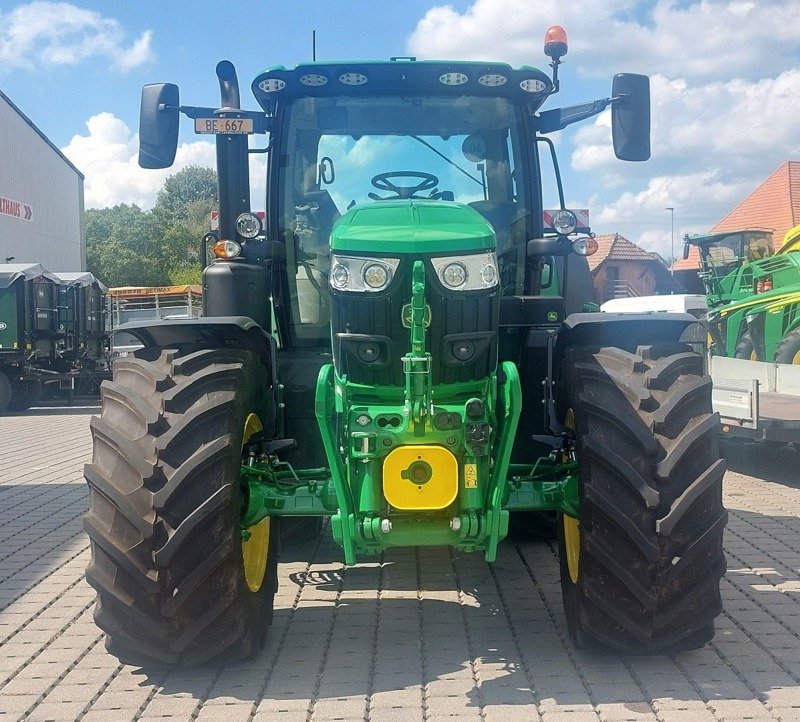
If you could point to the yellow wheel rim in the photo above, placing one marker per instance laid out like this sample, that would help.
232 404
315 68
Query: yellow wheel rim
796 359
572 544
754 356
572 527
256 549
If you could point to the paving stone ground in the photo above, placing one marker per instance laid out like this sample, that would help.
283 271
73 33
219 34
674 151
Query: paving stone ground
419 634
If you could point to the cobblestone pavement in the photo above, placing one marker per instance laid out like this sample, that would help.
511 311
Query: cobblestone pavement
417 635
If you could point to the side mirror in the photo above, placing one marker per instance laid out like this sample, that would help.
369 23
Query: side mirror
158 125
686 249
630 116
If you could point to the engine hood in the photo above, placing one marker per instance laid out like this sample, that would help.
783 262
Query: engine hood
418 227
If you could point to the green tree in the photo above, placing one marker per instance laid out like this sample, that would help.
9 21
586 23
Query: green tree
182 216
193 183
126 246
121 247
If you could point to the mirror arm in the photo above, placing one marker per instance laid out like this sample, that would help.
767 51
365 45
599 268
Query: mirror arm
262 123
560 118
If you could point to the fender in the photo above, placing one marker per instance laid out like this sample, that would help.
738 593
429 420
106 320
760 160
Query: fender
623 330
211 331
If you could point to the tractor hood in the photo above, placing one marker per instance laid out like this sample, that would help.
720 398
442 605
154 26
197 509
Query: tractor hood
412 227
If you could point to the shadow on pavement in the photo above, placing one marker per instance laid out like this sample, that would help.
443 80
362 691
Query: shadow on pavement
777 463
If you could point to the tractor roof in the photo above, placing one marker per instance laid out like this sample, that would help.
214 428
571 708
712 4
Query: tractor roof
401 76
704 240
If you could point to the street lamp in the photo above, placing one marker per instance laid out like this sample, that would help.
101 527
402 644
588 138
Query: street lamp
672 238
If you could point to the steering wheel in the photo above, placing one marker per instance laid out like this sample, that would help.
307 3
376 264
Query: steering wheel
383 182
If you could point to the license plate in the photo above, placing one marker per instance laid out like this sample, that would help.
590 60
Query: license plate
228 126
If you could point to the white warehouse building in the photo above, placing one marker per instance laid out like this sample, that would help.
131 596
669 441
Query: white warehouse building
41 197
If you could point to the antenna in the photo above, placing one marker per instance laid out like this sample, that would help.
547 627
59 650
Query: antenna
314 45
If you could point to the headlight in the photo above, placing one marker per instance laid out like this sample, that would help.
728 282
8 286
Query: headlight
454 275
376 276
339 276
564 222
248 225
356 273
586 246
227 249
467 273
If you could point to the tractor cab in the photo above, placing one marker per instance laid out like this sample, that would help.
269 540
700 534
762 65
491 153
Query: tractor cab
723 253
401 132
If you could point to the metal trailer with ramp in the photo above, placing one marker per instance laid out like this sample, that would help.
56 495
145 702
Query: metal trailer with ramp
757 400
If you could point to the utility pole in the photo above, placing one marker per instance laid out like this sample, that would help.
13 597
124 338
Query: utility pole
672 238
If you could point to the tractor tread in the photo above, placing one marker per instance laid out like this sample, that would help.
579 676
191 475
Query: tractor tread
650 561
164 509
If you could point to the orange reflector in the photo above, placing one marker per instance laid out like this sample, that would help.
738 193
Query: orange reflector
227 249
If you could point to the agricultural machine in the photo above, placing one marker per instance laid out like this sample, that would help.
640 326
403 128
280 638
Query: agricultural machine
391 349
753 294
52 331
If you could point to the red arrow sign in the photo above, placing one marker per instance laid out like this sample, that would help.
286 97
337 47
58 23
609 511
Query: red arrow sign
15 209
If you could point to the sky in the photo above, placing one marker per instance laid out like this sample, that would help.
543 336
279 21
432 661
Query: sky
725 85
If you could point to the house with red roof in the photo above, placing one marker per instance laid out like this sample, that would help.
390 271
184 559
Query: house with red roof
622 269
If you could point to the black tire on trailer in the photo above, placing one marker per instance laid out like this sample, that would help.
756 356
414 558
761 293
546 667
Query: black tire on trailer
789 348
168 560
746 349
5 391
24 394
640 569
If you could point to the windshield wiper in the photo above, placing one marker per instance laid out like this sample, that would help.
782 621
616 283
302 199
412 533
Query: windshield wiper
455 165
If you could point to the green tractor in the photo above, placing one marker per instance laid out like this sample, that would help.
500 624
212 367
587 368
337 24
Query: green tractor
753 294
391 349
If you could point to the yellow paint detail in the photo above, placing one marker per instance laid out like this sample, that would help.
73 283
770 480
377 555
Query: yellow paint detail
572 527
470 476
405 486
255 550
572 544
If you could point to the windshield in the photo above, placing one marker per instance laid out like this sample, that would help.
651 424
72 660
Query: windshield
338 152
726 253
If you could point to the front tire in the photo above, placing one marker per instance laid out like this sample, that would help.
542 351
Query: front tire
24 394
173 580
5 391
640 569
746 349
788 351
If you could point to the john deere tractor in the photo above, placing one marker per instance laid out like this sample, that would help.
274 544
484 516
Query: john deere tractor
753 294
392 349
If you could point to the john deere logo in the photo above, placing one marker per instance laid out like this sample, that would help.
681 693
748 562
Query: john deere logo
3 325
552 315
405 316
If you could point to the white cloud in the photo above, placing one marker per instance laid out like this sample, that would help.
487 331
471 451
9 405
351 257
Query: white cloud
724 86
108 156
712 145
700 38
57 33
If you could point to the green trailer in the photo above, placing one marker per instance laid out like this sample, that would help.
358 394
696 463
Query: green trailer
28 330
392 349
52 332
